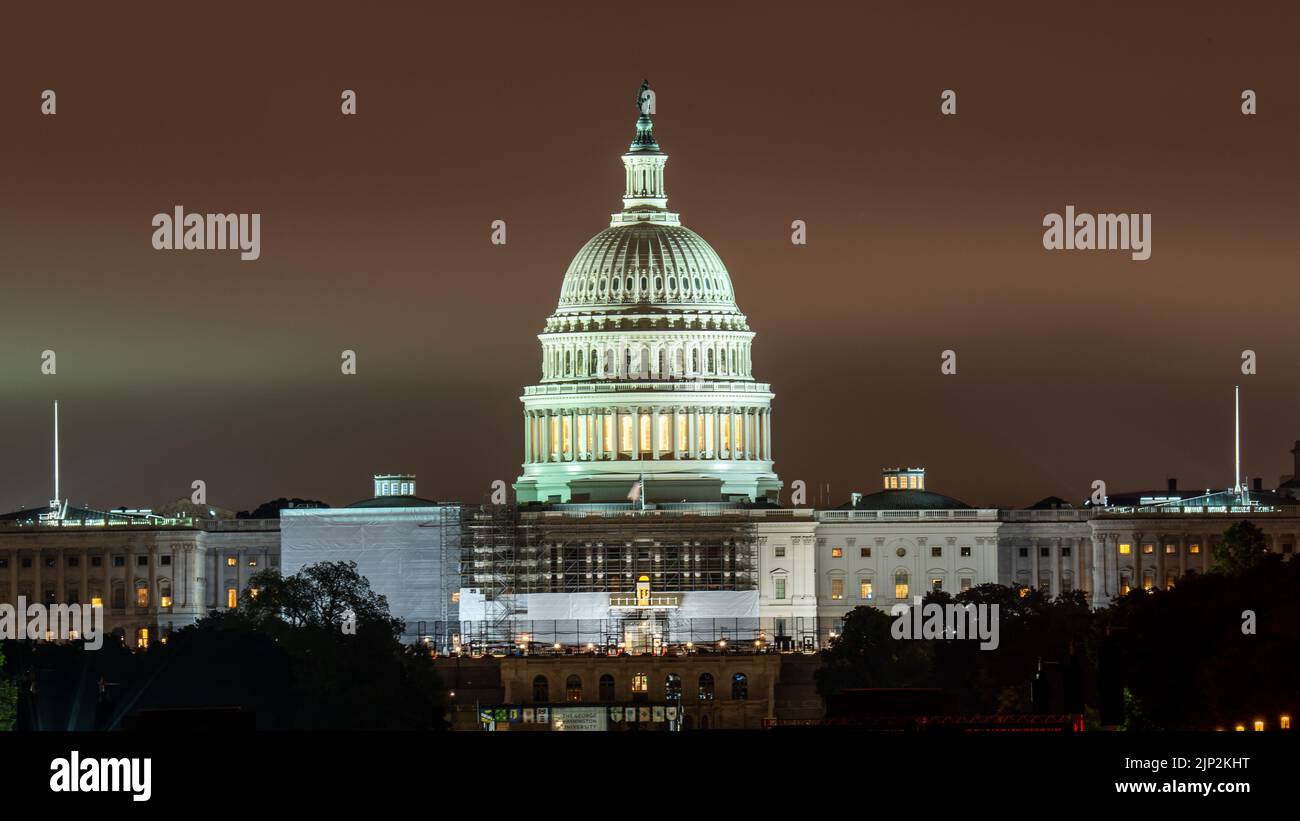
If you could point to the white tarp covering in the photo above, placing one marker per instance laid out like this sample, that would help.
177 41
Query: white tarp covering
408 554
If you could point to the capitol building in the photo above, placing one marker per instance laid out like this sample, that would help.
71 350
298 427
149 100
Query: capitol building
647 368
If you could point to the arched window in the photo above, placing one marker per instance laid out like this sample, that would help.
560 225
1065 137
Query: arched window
706 687
568 363
739 687
606 687
695 361
673 687
710 366
541 689
573 689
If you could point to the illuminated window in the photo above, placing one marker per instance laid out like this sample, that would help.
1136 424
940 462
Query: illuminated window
232 597
165 593
1024 592
837 552
779 584
252 562
1148 549
231 561
900 584
965 552
645 432
739 687
640 683
96 601
1125 549
1171 549
936 584
865 591
573 689
1193 548
165 601
455 597
673 687
706 687
142 638
837 589
625 432
1169 581
1284 722
142 596
1124 586
1148 582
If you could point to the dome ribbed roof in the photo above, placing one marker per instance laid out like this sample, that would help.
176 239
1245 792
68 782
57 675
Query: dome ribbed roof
647 264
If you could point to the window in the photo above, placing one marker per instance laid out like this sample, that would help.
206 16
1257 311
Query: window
606 687
706 687
74 561
1124 587
837 589
1125 549
1148 582
865 552
640 683
231 561
965 552
119 597
864 590
50 562
837 552
966 583
164 593
1066 585
541 689
455 597
232 598
1287 548
1065 552
780 551
1148 549
252 562
141 595
1169 581
936 552
1193 548
1044 552
142 638
96 561
96 601
1171 549
673 687
27 562
141 561
4 563
779 584
900 584
165 561
573 689
1024 552
739 687
936 584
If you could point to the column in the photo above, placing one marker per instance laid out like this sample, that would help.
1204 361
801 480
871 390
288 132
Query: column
751 424
1137 561
1056 569
1182 557
1160 561
677 426
767 434
718 431
1033 555
600 435
589 441
153 578
528 437
654 432
636 432
735 426
1100 594
692 439
572 417
60 591
84 592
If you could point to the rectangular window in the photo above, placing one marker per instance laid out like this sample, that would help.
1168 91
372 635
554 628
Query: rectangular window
252 562
1044 552
119 597
1125 548
1171 549
142 638
936 584
4 563
119 561
165 560
779 584
864 590
1148 549
865 552
96 561
142 561
936 552
640 682
1193 548
837 589
142 597
966 583
780 551
1065 552
1024 553
965 552
96 601
165 601
49 562
837 552
74 561
1169 581
232 598
900 586
1066 585
27 562
231 561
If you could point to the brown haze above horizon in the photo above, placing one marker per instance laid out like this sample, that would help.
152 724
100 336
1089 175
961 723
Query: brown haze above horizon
924 234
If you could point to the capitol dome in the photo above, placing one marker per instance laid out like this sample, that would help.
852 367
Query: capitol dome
647 264
646 364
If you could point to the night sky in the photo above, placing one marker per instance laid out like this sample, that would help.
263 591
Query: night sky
924 234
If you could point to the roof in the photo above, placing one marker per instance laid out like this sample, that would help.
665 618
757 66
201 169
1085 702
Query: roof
395 501
906 500
33 514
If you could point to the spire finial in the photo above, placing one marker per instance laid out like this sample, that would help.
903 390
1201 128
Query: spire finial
645 138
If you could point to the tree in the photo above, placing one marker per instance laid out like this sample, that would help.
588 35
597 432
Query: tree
1243 547
271 509
8 698
866 655
322 595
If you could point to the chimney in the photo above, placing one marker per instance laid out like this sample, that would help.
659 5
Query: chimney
1173 485
856 498
1259 484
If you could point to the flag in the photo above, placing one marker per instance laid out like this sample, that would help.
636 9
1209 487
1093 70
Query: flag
634 495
